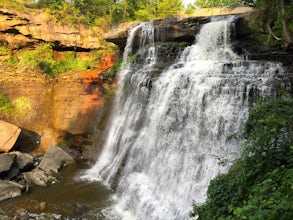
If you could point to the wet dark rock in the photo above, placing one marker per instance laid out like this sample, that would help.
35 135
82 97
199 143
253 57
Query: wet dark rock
54 159
24 161
245 44
6 162
80 209
166 30
12 173
27 141
9 189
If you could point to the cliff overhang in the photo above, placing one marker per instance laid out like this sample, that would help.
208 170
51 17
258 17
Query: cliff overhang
19 29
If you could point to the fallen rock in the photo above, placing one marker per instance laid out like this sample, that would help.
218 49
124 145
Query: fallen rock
24 161
37 177
6 162
9 134
54 159
27 141
9 189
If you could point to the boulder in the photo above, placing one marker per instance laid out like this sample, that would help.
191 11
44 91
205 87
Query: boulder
24 161
6 161
54 159
38 177
9 189
27 141
9 134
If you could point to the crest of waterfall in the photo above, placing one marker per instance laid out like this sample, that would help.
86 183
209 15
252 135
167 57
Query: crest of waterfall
167 132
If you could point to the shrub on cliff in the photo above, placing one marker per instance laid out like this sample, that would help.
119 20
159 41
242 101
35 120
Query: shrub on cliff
259 183
5 104
42 59
18 107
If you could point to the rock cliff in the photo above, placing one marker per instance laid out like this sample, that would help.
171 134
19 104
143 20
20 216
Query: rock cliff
19 29
66 105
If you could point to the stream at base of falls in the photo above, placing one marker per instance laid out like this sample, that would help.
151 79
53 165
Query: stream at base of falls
67 199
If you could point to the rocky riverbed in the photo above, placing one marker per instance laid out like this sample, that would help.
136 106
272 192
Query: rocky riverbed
21 172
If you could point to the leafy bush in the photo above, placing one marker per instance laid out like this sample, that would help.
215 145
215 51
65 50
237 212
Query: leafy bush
3 50
223 3
42 58
12 61
6 106
32 58
259 184
21 106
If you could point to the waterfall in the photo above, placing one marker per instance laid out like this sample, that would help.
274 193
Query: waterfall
167 131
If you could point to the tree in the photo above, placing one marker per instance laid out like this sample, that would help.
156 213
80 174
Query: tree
56 4
222 3
167 8
279 18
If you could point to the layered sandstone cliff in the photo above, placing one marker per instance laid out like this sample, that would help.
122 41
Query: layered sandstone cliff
19 29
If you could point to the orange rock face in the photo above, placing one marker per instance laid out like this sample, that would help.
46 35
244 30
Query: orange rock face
68 104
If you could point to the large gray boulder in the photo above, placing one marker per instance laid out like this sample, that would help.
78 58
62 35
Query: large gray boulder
54 159
9 189
6 161
24 161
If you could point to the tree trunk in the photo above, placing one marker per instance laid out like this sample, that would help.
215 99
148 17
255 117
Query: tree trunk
287 35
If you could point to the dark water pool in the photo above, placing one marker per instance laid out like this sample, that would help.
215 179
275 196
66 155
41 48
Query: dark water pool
69 198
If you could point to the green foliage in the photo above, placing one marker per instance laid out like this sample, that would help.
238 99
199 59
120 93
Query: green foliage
6 106
54 4
190 8
269 132
223 3
16 4
111 73
143 15
41 58
270 198
32 58
12 61
168 8
3 50
259 183
90 12
21 106
269 23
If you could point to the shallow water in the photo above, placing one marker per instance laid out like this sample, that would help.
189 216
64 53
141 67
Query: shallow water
68 198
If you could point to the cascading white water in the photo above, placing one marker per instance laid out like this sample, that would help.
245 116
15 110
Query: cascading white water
164 139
